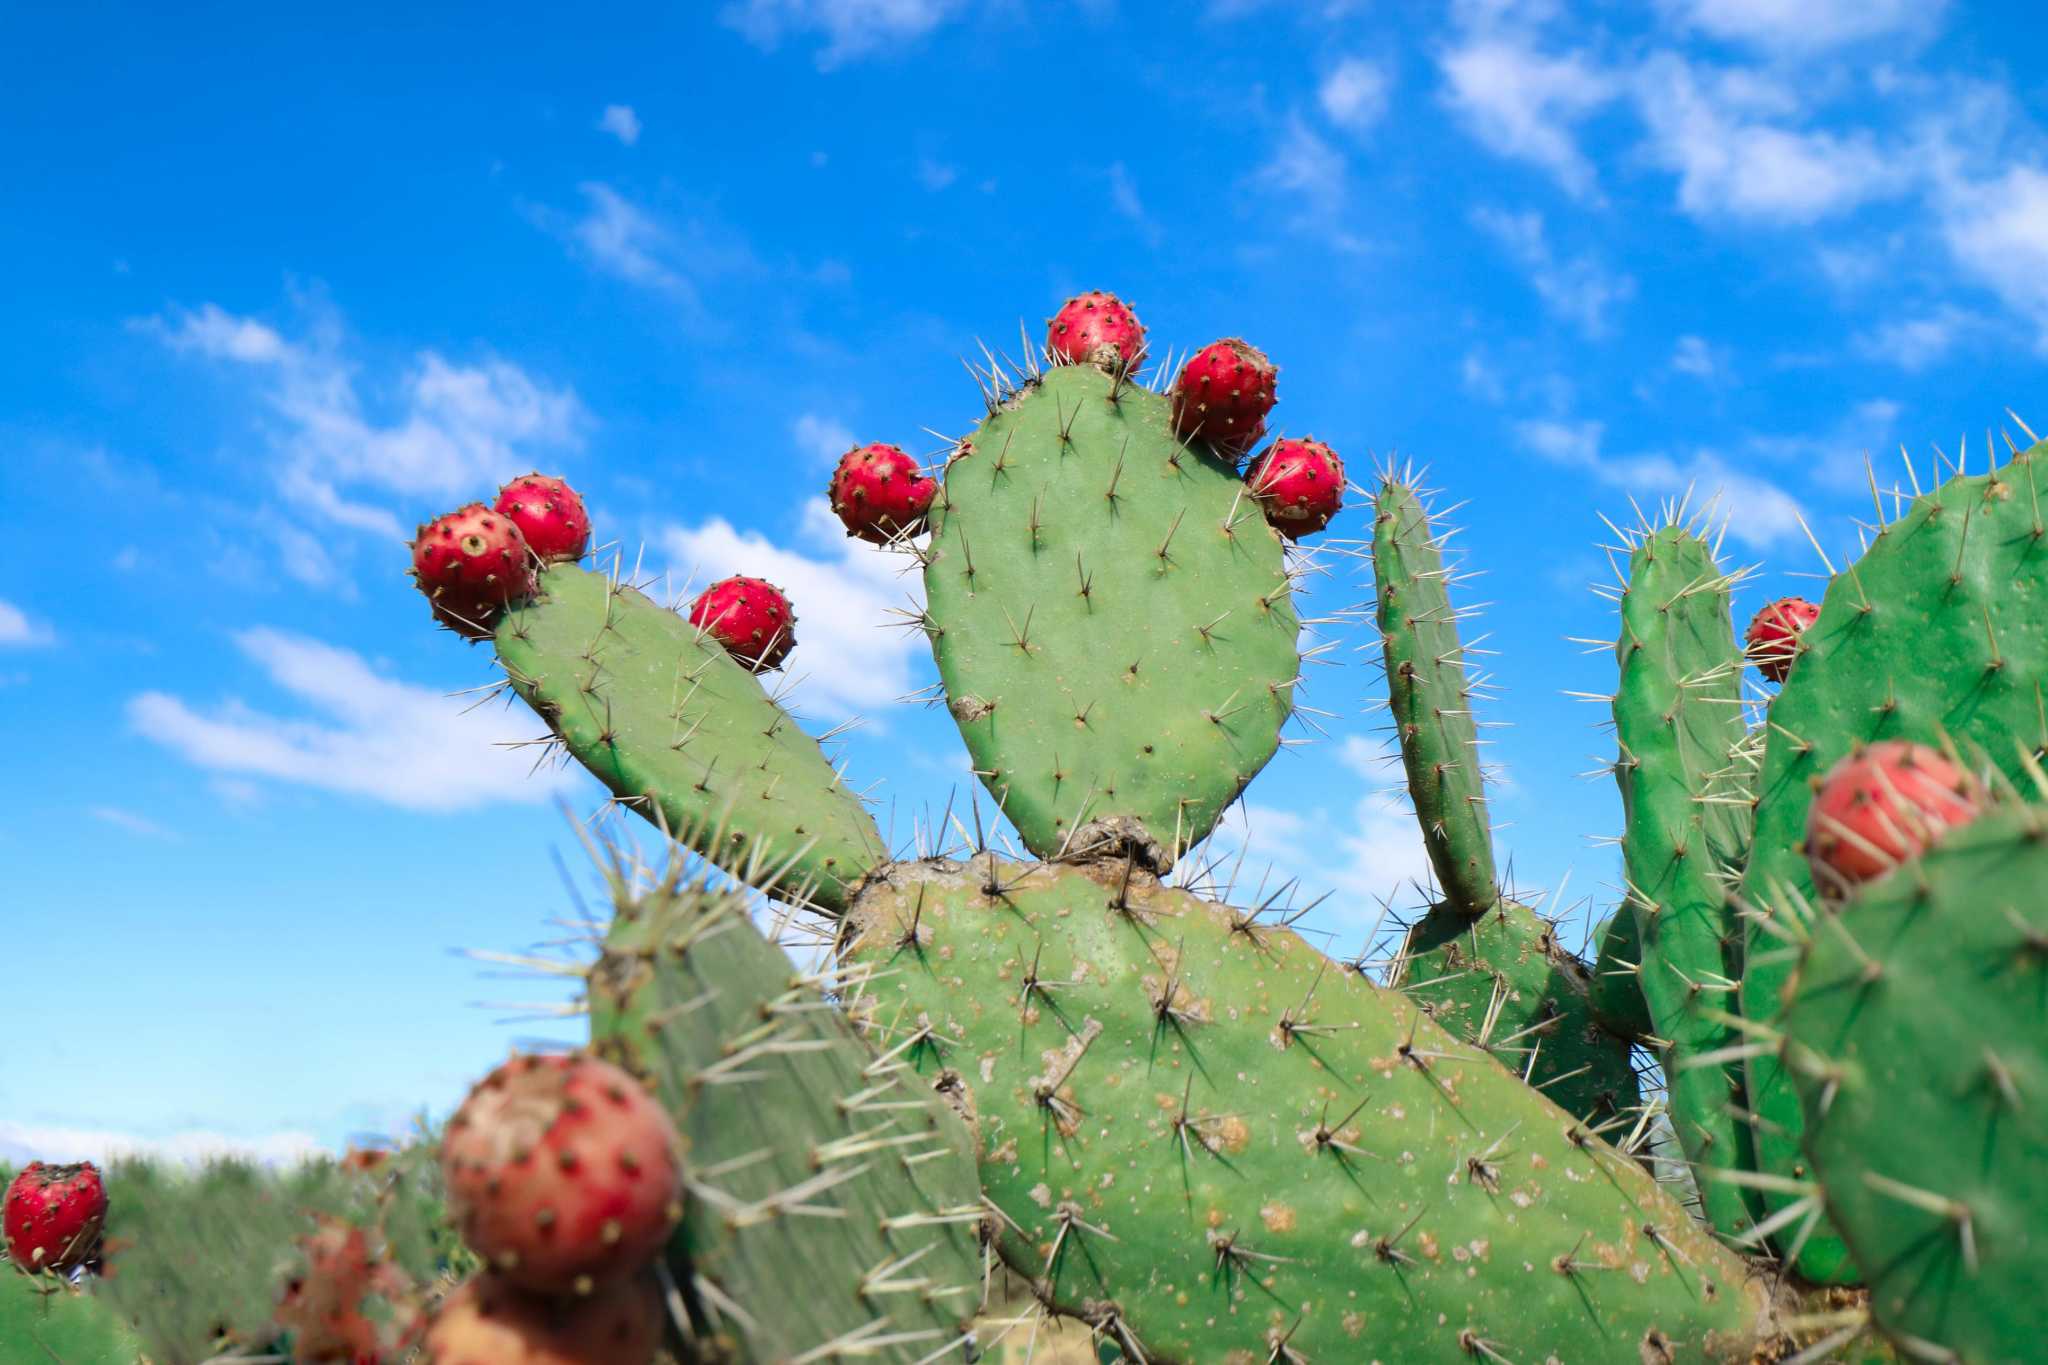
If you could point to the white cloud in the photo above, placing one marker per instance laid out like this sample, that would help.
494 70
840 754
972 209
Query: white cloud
1915 343
1480 378
16 629
851 654
1310 174
1997 230
23 1143
1579 290
130 821
850 28
624 240
1354 95
1699 357
1802 26
454 429
1524 104
371 735
824 439
1708 129
621 122
1123 197
1760 513
935 175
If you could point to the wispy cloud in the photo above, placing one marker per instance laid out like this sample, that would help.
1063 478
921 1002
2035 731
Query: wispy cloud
1355 93
1123 197
1915 343
1997 230
1524 104
1761 513
1310 178
851 29
18 631
25 1142
935 175
130 821
1802 27
1699 358
621 122
1580 289
360 732
822 438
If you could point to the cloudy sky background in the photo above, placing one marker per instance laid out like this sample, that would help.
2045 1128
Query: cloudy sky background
279 288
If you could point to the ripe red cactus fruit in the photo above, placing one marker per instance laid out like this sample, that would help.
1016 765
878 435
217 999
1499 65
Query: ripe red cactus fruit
487 1321
1882 807
751 617
1096 328
54 1214
1774 632
880 494
548 513
562 1172
470 563
322 1305
1223 394
1300 484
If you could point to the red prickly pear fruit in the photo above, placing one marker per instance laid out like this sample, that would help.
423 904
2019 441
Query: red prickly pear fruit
881 494
562 1172
1223 395
1774 632
1096 329
322 1305
549 514
470 563
1300 484
1883 807
54 1214
487 1321
751 617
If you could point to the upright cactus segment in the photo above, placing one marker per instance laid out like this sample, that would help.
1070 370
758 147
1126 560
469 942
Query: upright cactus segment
1937 629
1616 992
1504 983
832 1209
1429 696
681 732
1217 1145
1677 720
1111 617
1917 1040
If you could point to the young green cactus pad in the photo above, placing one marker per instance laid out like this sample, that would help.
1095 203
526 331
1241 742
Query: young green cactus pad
1218 1145
682 733
1678 721
832 1208
1917 1039
1429 697
1936 630
42 1318
1615 993
1504 983
1111 617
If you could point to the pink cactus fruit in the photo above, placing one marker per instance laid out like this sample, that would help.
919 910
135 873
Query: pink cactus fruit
470 563
751 617
1882 807
549 514
1774 632
1223 394
880 494
562 1172
54 1215
1299 483
1096 329
487 1321
323 1304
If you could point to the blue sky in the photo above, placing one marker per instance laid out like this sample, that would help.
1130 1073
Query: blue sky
280 287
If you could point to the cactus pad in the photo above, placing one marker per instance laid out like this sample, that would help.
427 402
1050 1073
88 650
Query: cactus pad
1111 618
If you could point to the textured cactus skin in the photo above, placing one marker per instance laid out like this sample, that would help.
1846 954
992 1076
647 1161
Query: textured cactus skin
1917 1038
1941 627
1456 967
44 1319
1162 1175
1677 723
1430 698
831 1196
1141 706
1616 995
655 712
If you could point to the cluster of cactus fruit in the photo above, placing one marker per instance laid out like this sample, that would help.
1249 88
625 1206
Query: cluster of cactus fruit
1792 1111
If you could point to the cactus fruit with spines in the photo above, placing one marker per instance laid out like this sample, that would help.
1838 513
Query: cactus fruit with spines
1916 1038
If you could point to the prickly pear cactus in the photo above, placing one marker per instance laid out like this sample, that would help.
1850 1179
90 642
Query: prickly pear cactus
682 733
1677 722
1917 1040
1111 618
1216 1144
1940 628
42 1318
832 1211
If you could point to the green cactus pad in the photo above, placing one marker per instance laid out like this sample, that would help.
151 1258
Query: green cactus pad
1503 983
1218 1145
1940 628
1615 992
1677 720
44 1319
832 1198
1917 1040
685 735
1111 618
1430 698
